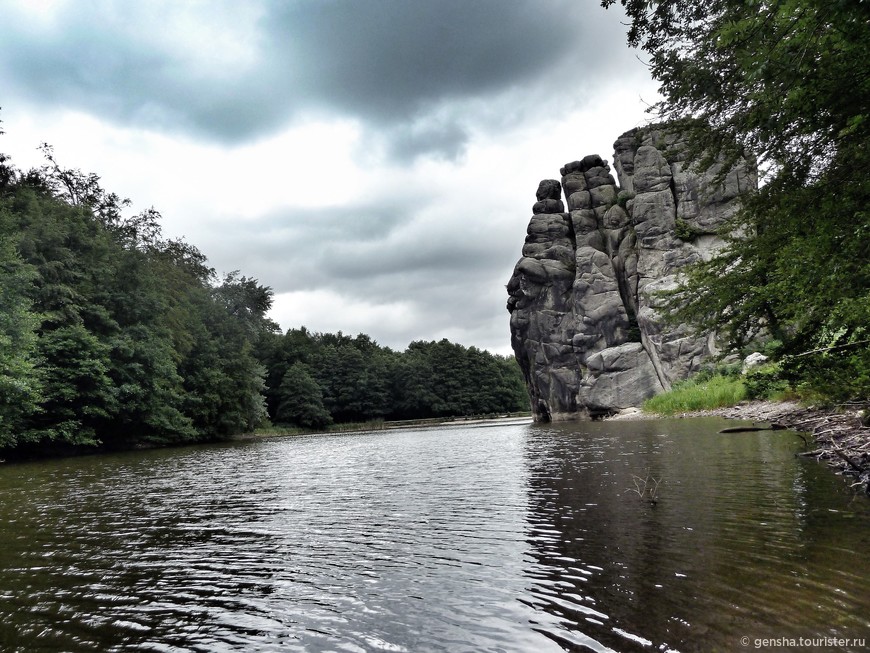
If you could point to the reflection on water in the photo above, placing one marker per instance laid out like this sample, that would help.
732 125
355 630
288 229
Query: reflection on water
498 538
744 540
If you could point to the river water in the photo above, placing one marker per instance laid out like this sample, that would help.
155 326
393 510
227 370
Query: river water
503 537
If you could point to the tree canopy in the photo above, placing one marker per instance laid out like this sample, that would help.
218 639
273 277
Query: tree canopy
787 82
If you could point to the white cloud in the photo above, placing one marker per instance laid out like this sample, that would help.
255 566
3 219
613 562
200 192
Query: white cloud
329 311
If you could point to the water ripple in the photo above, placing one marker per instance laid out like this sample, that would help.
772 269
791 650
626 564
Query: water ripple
514 538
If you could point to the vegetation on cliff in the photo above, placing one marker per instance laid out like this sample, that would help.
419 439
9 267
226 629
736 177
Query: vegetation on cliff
113 334
789 81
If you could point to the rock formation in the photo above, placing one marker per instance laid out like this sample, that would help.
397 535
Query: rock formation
585 322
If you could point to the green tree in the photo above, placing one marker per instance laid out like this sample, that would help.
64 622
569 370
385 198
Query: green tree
20 385
355 386
300 400
148 387
789 82
413 391
7 171
223 381
80 189
78 393
444 378
277 353
247 302
111 333
361 380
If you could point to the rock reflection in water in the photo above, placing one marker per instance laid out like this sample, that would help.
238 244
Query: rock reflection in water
744 539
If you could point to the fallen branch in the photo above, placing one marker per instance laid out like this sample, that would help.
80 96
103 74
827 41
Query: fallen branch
847 345
851 463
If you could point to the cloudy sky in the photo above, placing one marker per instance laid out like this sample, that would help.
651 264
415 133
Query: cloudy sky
374 162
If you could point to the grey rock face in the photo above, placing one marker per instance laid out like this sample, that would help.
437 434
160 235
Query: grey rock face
586 325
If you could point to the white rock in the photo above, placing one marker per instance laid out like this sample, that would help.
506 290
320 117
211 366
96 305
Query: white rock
754 360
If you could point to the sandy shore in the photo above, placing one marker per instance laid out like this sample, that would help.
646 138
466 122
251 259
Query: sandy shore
836 436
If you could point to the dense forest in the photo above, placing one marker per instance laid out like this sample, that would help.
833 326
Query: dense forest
112 334
313 379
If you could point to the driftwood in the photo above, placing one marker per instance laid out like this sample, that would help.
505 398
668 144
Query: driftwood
747 429
850 462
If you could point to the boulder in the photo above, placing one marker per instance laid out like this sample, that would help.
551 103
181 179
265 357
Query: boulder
618 378
755 359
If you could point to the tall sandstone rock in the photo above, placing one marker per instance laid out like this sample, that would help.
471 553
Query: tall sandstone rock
585 319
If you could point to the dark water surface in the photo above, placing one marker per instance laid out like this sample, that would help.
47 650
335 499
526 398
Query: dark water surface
500 538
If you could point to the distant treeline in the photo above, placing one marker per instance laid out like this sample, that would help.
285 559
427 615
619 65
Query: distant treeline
314 379
112 334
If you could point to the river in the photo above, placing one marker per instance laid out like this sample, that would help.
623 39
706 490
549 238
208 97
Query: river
501 537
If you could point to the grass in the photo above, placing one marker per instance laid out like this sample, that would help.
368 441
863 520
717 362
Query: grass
716 392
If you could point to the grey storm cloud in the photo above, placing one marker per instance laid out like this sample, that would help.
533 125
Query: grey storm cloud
363 252
367 256
418 75
431 229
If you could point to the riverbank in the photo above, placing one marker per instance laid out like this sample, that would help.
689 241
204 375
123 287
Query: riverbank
838 436
381 425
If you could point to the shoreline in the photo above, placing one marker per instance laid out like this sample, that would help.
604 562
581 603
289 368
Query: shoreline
838 436
380 425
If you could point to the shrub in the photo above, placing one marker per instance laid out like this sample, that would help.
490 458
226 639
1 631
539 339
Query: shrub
765 382
707 372
686 232
834 376
623 197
